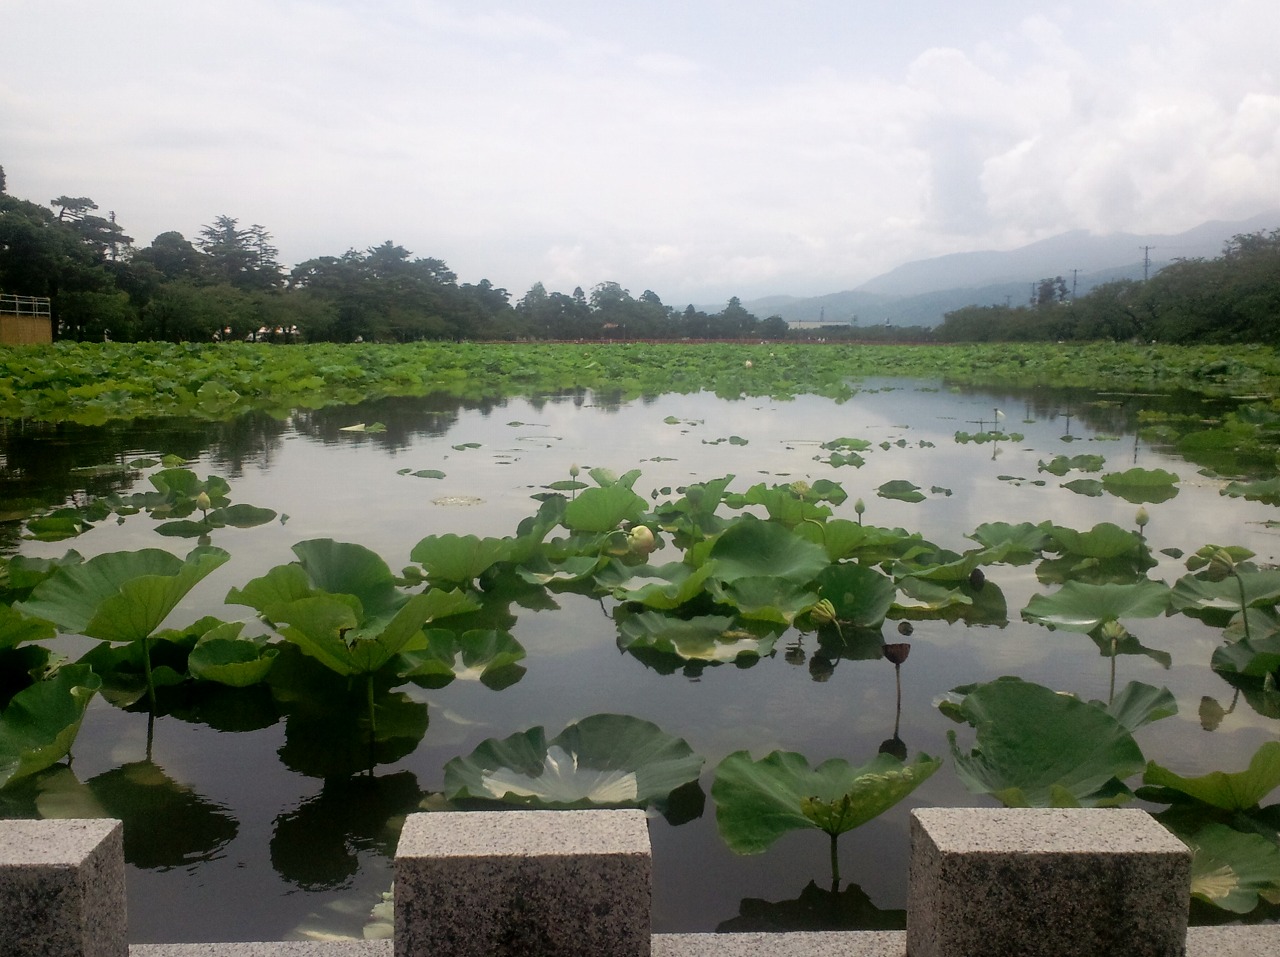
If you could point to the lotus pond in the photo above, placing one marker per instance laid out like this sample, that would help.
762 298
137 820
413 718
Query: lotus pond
771 622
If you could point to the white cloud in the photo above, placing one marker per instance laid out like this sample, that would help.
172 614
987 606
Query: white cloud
699 150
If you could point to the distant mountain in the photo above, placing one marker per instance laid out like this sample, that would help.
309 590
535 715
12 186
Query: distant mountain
921 292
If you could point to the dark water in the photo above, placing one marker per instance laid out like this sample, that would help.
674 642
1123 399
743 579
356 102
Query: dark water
240 825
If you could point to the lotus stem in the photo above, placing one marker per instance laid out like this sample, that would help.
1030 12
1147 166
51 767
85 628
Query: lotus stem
146 670
1244 608
835 862
373 721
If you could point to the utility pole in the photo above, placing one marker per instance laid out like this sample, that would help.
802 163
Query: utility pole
1146 261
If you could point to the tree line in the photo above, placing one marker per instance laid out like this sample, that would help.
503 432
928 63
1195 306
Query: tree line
227 283
1234 298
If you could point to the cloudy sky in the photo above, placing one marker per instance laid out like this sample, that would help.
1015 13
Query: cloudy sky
699 148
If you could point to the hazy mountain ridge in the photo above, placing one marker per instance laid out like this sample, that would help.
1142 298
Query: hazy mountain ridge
922 291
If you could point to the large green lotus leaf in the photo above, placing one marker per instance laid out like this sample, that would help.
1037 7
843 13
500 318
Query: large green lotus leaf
240 516
318 625
15 628
705 638
1139 485
860 595
1104 540
460 558
654 586
222 656
918 598
120 596
342 568
279 586
1037 748
481 654
763 598
901 490
943 566
25 572
1023 540
1267 491
869 544
1231 869
40 723
759 801
754 549
1088 487
1238 791
1215 603
787 505
1253 658
1079 606
565 572
1129 644
606 760
603 509
1138 704
1061 464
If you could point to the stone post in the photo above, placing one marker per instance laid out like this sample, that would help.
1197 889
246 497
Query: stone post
62 889
1040 882
550 883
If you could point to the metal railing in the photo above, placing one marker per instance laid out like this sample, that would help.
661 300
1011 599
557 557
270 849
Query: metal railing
25 306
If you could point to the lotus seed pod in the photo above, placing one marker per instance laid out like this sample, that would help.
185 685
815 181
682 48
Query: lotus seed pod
897 652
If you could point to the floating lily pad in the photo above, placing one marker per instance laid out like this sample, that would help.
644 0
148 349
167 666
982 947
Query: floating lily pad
40 723
1079 606
606 760
901 490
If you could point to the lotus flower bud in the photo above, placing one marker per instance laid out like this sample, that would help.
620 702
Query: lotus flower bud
574 470
641 540
203 502
1113 631
824 613
1141 518
1221 565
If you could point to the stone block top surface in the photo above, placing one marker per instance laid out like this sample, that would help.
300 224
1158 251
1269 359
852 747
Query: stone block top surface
524 833
26 843
1046 831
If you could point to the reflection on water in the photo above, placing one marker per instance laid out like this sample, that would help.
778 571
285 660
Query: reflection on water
276 792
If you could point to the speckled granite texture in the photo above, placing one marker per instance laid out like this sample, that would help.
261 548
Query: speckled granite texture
62 889
1045 882
551 883
294 948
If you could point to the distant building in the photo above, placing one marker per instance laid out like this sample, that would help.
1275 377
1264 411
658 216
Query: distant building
25 320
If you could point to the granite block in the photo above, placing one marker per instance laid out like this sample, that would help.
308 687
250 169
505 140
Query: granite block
495 883
62 889
1045 882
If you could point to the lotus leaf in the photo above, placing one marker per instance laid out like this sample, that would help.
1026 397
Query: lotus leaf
1231 869
120 596
1088 487
1138 704
603 509
1237 791
763 598
663 587
222 656
901 490
1267 491
606 760
755 549
1037 748
759 801
481 654
1249 657
15 627
1022 540
460 558
40 723
1078 606
1142 485
1216 603
705 638
816 909
860 595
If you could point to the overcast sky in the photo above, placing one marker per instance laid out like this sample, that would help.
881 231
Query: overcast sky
700 148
